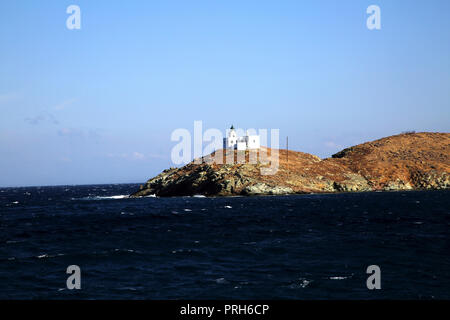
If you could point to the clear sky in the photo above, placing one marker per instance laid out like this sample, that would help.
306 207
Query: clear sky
98 105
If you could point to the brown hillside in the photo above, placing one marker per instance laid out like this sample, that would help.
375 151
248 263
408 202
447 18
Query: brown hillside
401 159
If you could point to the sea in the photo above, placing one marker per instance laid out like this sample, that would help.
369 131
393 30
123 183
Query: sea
312 246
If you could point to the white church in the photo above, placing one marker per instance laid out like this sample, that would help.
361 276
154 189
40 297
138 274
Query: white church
247 142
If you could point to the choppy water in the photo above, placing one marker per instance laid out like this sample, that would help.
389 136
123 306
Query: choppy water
296 247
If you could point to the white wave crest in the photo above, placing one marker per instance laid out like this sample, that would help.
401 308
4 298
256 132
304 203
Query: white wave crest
116 197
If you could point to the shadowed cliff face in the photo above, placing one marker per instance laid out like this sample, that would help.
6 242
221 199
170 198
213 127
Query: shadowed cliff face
401 162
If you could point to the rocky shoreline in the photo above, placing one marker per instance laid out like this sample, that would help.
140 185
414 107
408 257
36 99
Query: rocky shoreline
413 161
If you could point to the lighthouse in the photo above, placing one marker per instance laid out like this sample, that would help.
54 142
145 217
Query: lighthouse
247 142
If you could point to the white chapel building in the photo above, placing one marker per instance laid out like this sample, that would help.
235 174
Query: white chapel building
247 142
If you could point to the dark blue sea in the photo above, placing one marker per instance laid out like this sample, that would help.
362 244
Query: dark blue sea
276 247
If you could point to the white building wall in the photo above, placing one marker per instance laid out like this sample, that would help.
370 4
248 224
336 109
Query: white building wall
254 142
241 145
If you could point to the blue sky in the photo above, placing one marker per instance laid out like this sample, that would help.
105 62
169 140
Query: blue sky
98 105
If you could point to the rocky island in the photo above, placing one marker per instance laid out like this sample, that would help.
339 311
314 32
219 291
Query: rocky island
410 161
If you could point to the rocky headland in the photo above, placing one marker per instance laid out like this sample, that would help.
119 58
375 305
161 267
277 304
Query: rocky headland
411 161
